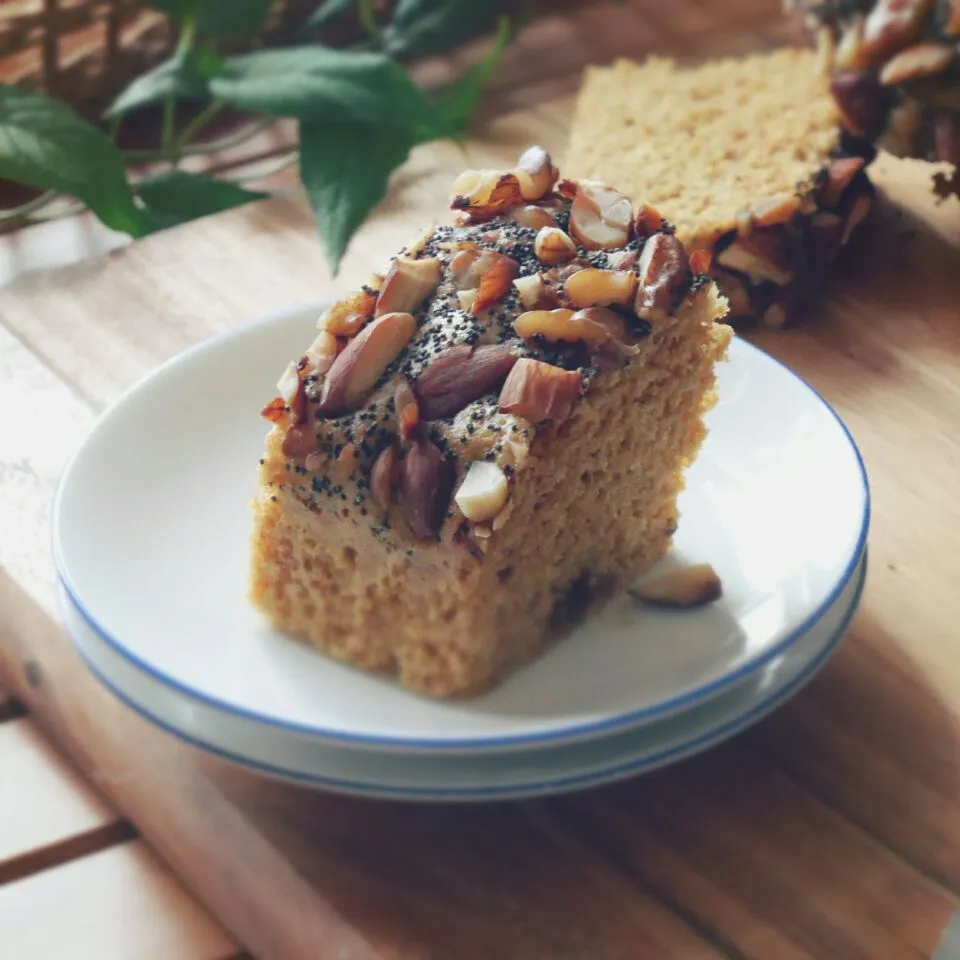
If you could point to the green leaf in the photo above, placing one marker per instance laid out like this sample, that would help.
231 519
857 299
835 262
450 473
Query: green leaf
345 169
327 11
317 83
457 103
217 18
422 27
182 77
177 196
44 144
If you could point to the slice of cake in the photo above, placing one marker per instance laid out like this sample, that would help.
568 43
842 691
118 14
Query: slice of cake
492 427
894 72
742 155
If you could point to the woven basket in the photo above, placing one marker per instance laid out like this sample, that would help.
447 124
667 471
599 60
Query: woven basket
85 52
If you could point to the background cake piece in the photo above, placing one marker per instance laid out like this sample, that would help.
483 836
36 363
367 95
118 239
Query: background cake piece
894 73
496 425
742 155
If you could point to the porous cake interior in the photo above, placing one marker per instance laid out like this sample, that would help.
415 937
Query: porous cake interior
597 500
704 142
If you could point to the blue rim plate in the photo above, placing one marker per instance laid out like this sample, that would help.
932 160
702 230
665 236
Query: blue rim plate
543 770
150 538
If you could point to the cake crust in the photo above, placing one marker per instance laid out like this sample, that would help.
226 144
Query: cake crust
440 478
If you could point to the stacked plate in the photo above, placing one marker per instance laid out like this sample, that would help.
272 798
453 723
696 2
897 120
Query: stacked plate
151 528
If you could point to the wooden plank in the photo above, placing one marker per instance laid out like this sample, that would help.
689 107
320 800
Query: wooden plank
33 450
900 743
48 813
289 869
763 865
118 903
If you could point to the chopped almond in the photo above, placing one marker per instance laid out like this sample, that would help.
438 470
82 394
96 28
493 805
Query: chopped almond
483 492
692 586
407 284
361 364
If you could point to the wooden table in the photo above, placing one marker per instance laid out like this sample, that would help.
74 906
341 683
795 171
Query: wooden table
830 831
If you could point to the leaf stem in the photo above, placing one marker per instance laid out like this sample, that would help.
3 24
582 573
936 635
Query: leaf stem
197 123
214 146
188 33
169 119
31 206
368 20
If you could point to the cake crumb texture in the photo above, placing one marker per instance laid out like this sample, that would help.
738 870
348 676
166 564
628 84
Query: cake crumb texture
704 142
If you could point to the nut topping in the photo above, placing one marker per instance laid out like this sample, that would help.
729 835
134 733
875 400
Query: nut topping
850 53
292 392
761 256
840 173
460 375
557 325
484 193
700 261
417 246
407 284
384 476
600 217
483 492
345 464
407 411
662 273
532 217
275 411
692 586
862 102
903 125
858 213
612 322
891 25
773 211
320 355
346 317
536 173
824 236
531 290
499 272
946 136
647 222
598 288
363 361
426 483
298 443
539 391
915 63
552 245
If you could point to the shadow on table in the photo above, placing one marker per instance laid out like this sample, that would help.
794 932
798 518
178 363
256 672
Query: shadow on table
820 833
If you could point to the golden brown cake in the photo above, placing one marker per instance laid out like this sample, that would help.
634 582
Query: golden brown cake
743 156
894 73
497 424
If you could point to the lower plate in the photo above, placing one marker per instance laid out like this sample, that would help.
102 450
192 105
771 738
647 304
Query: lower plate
470 777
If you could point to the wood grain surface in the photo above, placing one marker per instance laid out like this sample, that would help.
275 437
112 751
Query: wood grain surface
113 905
830 831
48 813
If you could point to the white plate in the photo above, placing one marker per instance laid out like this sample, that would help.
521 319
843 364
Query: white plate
151 539
536 771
